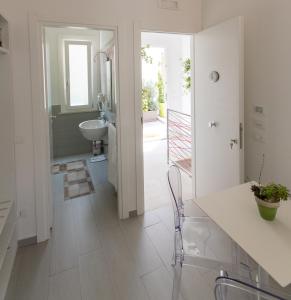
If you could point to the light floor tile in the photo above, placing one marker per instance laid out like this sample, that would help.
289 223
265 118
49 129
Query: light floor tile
85 228
64 244
96 278
94 255
140 246
32 273
65 286
163 242
158 284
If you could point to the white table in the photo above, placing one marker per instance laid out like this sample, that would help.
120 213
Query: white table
268 243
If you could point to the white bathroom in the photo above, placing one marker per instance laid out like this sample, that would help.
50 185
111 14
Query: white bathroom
81 98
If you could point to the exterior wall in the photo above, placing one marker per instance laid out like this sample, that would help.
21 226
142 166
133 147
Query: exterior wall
267 82
107 13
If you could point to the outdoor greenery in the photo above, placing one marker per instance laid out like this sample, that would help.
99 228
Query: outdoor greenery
271 193
187 74
147 99
145 56
147 93
161 88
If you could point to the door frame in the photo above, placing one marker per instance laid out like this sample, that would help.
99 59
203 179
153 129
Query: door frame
138 29
41 144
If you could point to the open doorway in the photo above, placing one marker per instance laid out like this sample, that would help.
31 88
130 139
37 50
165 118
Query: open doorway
167 106
80 86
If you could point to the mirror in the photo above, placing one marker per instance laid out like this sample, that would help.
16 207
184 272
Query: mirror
108 70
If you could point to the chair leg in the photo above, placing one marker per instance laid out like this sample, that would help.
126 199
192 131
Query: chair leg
221 291
218 293
174 257
175 254
177 281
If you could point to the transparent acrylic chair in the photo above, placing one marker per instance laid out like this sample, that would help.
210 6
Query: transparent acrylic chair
196 244
228 288
196 239
195 236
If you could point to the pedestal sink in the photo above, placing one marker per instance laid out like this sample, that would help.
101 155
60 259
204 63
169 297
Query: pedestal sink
93 130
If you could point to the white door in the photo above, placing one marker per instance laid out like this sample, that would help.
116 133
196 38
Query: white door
48 96
219 107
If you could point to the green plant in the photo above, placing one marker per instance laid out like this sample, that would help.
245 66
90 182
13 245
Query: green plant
152 105
145 105
271 193
147 99
146 95
187 74
145 56
161 88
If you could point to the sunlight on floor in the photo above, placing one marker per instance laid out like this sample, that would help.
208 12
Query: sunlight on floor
155 171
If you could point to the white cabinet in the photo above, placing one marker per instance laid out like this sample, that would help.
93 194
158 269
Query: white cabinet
8 244
8 216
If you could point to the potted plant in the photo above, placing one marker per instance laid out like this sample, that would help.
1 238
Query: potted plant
268 199
150 108
161 95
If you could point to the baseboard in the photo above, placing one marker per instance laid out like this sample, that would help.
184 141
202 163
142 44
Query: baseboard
27 242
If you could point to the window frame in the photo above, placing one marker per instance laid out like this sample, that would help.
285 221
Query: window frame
68 106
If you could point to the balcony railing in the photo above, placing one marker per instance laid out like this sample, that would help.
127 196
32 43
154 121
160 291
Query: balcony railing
179 140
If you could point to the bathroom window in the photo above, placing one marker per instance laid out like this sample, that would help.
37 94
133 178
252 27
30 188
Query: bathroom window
78 74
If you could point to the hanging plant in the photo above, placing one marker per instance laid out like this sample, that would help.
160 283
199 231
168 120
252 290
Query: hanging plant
145 56
187 74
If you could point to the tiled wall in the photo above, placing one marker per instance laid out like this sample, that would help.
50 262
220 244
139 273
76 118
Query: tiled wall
67 138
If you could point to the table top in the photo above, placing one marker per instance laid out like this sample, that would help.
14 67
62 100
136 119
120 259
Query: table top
269 243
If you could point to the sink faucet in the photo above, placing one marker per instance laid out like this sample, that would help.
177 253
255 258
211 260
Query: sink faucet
103 116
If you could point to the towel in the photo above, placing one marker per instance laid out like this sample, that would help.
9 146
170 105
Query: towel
112 156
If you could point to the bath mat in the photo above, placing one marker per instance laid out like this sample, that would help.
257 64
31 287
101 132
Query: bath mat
77 183
69 167
78 189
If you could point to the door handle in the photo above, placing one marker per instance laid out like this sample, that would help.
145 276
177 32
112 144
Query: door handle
233 142
241 135
53 117
212 124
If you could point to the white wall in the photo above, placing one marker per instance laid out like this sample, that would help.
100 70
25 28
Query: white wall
177 48
7 162
267 81
108 13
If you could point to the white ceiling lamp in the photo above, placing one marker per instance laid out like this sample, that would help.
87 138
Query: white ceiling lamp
169 4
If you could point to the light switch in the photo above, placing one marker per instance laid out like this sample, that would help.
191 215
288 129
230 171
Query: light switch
259 109
259 124
258 138
168 4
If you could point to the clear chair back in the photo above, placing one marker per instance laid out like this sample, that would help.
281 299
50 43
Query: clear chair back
175 187
229 288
